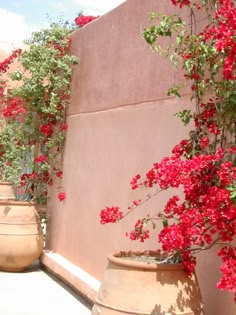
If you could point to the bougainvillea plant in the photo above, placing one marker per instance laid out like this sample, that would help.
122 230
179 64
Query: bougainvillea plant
34 111
203 166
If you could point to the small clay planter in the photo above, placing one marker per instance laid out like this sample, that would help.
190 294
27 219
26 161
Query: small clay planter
134 287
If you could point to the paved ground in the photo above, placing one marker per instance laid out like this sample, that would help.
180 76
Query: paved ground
36 292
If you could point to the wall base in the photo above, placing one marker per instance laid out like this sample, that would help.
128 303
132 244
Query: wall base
72 275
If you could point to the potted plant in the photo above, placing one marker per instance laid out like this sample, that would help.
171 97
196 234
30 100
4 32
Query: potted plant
32 137
202 168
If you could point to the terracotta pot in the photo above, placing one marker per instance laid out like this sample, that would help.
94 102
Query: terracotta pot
133 287
6 191
21 236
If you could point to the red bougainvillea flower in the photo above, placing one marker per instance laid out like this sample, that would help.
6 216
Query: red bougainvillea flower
232 150
46 129
204 142
64 127
59 174
134 182
61 196
110 215
33 175
20 192
228 268
4 65
41 159
139 232
181 3
136 202
14 108
83 20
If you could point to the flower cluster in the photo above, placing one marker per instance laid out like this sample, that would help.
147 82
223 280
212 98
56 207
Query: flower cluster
14 109
4 67
82 20
222 32
110 215
228 269
5 64
140 232
181 3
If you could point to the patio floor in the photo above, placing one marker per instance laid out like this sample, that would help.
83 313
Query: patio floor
36 292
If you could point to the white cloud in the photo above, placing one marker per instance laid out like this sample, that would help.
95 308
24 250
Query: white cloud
60 6
13 30
97 7
17 4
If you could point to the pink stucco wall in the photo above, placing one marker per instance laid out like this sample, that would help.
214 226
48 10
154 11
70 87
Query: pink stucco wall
120 122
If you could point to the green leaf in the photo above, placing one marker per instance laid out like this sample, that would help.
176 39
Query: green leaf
185 116
153 225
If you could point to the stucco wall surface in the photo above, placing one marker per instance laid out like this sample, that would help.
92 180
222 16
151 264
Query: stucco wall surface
119 123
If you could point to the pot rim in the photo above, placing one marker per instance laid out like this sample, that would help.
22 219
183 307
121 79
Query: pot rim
115 258
17 202
6 183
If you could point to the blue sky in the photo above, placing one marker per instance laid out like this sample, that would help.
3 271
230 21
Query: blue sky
18 18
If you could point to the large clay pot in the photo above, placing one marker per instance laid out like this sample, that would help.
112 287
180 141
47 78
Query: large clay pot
133 287
6 191
21 236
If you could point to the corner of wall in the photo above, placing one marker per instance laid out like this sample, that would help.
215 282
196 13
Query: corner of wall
76 278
